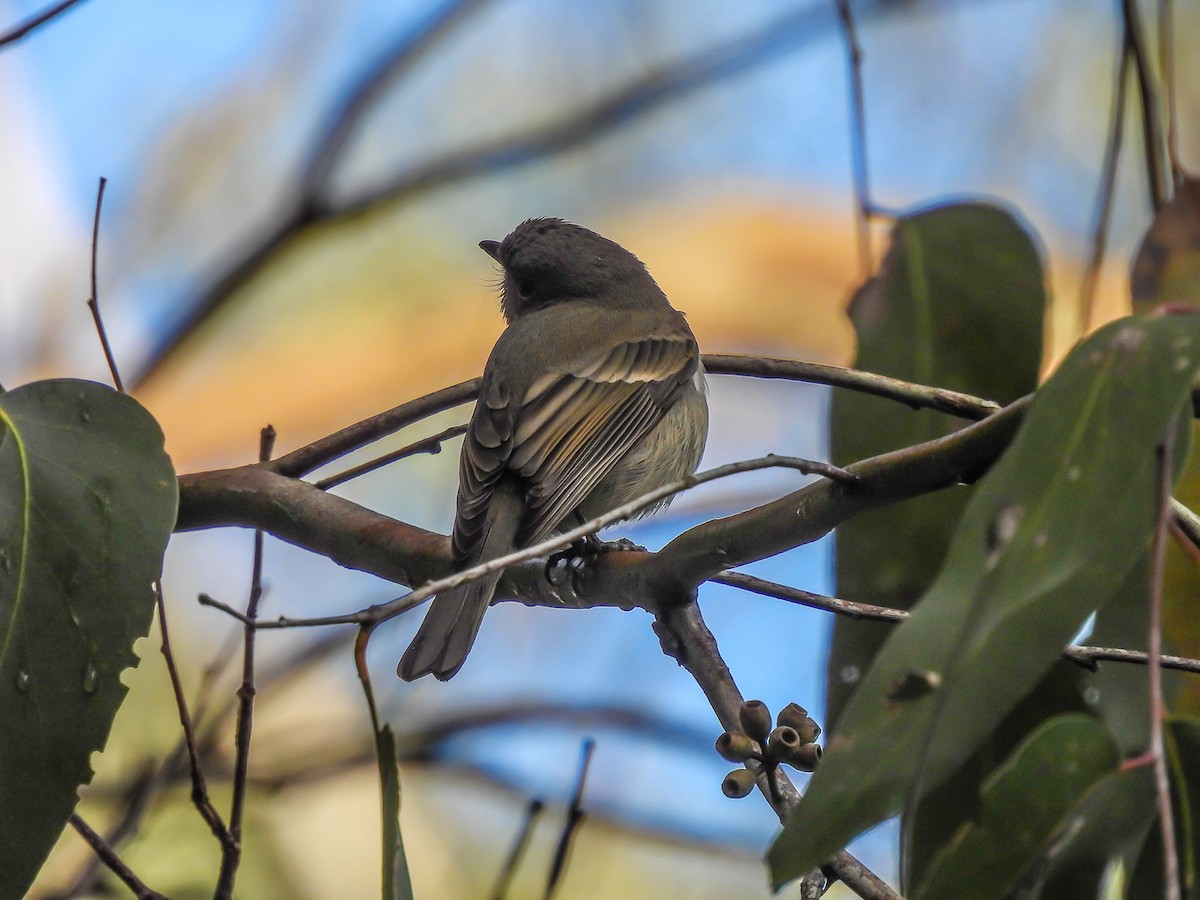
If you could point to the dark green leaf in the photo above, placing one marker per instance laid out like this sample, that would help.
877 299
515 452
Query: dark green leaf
1182 739
1166 268
1109 823
1022 804
1048 536
87 502
959 303
396 882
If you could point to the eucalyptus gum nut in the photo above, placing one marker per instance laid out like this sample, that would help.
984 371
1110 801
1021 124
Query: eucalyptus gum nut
783 743
738 783
755 719
793 714
737 747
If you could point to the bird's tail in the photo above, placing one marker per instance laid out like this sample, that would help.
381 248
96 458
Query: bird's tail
445 637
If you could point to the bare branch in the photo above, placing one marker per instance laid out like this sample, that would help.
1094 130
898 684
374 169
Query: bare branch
858 137
200 797
1108 182
575 814
381 612
35 22
114 862
94 300
532 813
1152 137
231 856
1154 654
425 445
408 49
919 396
807 598
621 107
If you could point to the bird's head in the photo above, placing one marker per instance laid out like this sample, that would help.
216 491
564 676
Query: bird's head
548 261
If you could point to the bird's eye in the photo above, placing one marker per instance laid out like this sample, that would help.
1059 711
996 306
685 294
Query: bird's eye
524 288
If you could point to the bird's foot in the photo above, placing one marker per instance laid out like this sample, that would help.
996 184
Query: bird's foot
573 561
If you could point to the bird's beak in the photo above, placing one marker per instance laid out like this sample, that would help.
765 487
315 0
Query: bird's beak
491 248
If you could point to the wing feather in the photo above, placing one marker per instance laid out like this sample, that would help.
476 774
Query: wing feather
567 433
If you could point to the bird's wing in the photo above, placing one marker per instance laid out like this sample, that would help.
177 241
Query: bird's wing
566 432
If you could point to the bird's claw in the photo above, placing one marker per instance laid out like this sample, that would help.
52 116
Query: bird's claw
573 561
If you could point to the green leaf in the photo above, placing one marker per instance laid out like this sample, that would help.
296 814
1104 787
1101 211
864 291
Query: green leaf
959 302
1022 804
1182 743
1166 268
1109 823
396 882
87 502
1048 536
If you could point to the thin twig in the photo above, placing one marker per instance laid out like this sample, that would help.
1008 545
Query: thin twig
200 796
575 816
532 813
1166 52
1188 521
1108 181
807 598
425 445
232 857
400 57
35 22
94 300
381 612
1084 655
858 137
1152 138
305 459
114 862
1154 652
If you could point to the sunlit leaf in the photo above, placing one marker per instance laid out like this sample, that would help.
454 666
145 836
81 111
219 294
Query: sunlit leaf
1049 534
87 502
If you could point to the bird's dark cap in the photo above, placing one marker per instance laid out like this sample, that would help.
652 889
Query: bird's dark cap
491 248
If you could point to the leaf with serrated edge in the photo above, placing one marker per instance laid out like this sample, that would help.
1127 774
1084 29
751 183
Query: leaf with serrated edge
1049 534
87 503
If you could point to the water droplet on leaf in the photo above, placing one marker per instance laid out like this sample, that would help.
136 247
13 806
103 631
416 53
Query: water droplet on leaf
23 679
91 679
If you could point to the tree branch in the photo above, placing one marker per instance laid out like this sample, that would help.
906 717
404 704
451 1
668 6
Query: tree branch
114 862
304 460
621 107
35 22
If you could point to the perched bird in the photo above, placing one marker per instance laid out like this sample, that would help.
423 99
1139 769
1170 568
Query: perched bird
593 395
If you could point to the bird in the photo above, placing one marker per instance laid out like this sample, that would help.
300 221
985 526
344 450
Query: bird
593 395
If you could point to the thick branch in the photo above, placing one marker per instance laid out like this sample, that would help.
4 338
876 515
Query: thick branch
356 537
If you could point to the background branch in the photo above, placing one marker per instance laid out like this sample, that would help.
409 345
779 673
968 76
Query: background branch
35 22
620 107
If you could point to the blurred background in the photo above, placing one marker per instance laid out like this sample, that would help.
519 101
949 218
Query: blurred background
315 177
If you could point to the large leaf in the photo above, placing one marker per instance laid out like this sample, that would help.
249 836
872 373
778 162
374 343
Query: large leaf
1022 805
1182 738
1048 536
87 502
959 302
1166 270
